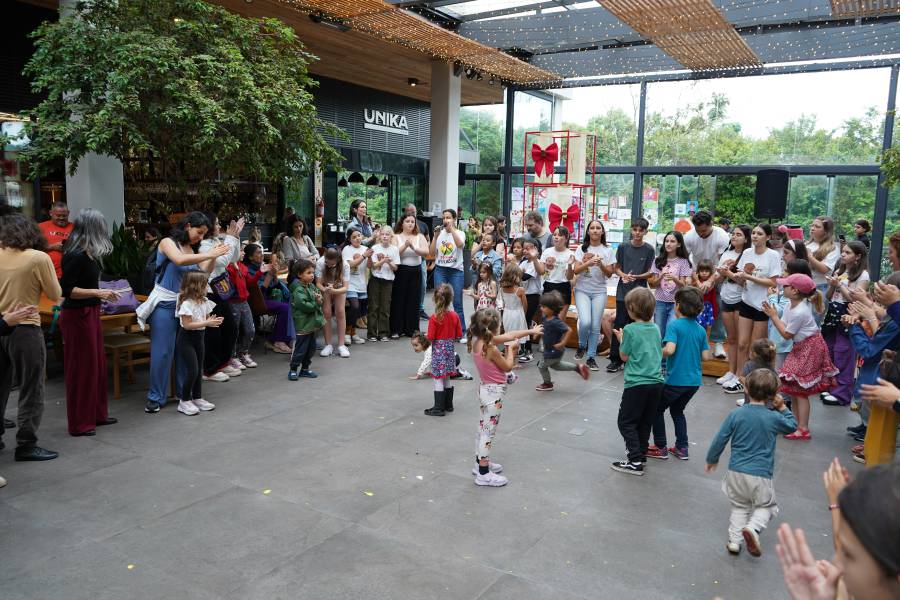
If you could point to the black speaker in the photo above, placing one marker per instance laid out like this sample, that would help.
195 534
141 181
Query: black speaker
771 194
461 176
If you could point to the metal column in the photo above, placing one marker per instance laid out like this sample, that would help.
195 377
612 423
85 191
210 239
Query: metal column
881 192
636 195
506 183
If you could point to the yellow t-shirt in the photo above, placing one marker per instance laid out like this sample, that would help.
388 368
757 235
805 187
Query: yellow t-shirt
24 275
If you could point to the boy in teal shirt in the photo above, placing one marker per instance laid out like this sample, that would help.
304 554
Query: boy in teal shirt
640 348
685 346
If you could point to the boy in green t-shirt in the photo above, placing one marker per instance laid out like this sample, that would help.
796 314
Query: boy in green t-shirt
640 347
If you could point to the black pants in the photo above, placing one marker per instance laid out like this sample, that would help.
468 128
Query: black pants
220 341
622 319
637 412
23 354
405 298
674 398
189 344
304 348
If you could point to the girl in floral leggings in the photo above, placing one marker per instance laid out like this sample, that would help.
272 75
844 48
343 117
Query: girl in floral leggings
493 367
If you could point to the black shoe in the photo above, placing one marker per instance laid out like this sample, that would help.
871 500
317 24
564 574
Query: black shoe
830 401
438 409
34 453
151 407
89 433
860 437
613 367
448 400
423 315
108 421
854 431
592 364
9 424
625 466
579 354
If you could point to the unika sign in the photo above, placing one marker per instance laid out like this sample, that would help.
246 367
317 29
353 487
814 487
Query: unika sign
380 120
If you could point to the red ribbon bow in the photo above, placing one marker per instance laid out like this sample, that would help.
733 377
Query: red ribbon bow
544 158
568 218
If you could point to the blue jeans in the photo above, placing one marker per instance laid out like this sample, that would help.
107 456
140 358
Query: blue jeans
455 278
665 312
163 329
675 398
717 332
424 287
590 312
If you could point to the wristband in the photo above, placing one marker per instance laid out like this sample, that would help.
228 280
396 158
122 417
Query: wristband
833 506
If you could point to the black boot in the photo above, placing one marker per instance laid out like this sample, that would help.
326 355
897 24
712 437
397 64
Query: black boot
448 400
438 409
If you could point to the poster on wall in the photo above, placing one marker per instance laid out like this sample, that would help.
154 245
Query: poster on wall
517 211
318 201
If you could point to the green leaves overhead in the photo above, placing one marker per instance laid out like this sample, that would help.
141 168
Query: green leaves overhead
215 95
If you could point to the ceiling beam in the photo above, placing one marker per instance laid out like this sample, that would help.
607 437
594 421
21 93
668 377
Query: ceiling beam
500 12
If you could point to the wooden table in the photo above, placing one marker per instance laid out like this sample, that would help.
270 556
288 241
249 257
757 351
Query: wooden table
108 322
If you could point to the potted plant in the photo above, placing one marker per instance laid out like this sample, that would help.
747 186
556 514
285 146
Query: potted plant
127 259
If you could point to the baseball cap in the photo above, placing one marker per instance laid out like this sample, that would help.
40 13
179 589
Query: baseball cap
802 283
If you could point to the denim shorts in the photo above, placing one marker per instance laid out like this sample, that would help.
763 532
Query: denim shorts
357 295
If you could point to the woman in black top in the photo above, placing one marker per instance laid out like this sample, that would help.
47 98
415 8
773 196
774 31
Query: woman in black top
83 352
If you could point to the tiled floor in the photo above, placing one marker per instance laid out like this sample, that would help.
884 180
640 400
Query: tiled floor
340 487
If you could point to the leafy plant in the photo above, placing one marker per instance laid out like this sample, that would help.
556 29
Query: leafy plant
212 95
890 166
128 255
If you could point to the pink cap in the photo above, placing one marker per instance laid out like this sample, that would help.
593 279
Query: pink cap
802 283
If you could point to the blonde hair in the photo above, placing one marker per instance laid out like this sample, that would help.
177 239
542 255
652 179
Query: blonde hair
193 286
484 323
827 245
511 275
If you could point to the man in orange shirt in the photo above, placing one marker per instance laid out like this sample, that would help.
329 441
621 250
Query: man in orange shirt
57 231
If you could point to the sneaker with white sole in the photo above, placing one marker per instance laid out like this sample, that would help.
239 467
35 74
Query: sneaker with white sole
726 378
719 350
739 402
733 548
327 350
187 407
217 376
751 540
734 387
234 363
628 467
358 340
347 340
202 404
248 362
231 371
343 352
491 479
493 468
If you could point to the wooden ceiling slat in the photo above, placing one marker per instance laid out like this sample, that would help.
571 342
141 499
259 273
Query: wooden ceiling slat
864 8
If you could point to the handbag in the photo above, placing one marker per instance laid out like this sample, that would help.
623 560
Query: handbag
832 320
124 303
222 287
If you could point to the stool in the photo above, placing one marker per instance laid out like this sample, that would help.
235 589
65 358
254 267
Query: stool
119 345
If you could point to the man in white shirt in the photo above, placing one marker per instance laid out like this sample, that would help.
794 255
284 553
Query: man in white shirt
708 242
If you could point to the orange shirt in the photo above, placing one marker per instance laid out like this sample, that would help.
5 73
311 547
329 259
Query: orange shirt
54 234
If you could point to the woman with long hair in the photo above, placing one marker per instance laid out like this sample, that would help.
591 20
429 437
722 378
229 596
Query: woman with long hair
79 323
730 298
175 256
361 221
447 247
594 263
405 295
26 272
671 272
823 254
296 244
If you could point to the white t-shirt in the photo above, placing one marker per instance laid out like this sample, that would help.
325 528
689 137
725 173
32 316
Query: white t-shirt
385 272
709 248
320 270
731 292
593 280
409 257
767 264
831 261
558 273
860 284
799 321
533 285
357 273
449 254
197 311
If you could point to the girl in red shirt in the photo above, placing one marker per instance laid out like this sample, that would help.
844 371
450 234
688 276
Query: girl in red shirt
444 328
240 309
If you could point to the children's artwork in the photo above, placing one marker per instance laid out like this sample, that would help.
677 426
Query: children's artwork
617 224
603 201
650 194
683 225
653 218
680 210
517 214
614 237
613 202
623 213
692 206
650 238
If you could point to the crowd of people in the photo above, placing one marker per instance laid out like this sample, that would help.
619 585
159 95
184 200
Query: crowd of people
797 321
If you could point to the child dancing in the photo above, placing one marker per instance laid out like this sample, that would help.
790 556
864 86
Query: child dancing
421 345
752 431
555 333
443 329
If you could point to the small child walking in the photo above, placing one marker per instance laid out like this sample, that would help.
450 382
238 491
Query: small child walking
306 308
640 348
748 484
555 333
807 370
685 345
240 310
513 303
421 345
444 328
193 312
493 368
762 356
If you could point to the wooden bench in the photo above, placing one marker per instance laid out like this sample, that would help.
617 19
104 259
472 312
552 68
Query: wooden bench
122 348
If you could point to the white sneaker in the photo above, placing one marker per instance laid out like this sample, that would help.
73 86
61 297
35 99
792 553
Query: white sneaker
327 351
2 482
234 363
491 479
358 340
248 362
217 376
727 377
719 350
202 404
231 371
187 407
739 401
733 547
347 340
343 352
493 467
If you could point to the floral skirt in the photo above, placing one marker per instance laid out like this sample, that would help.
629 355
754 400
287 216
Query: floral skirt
443 359
707 317
808 368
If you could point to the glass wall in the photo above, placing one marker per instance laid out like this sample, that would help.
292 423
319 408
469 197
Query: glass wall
531 114
376 197
610 112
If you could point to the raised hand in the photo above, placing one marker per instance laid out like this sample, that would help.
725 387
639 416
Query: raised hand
805 578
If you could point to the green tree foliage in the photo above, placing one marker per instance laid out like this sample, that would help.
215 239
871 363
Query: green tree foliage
208 94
